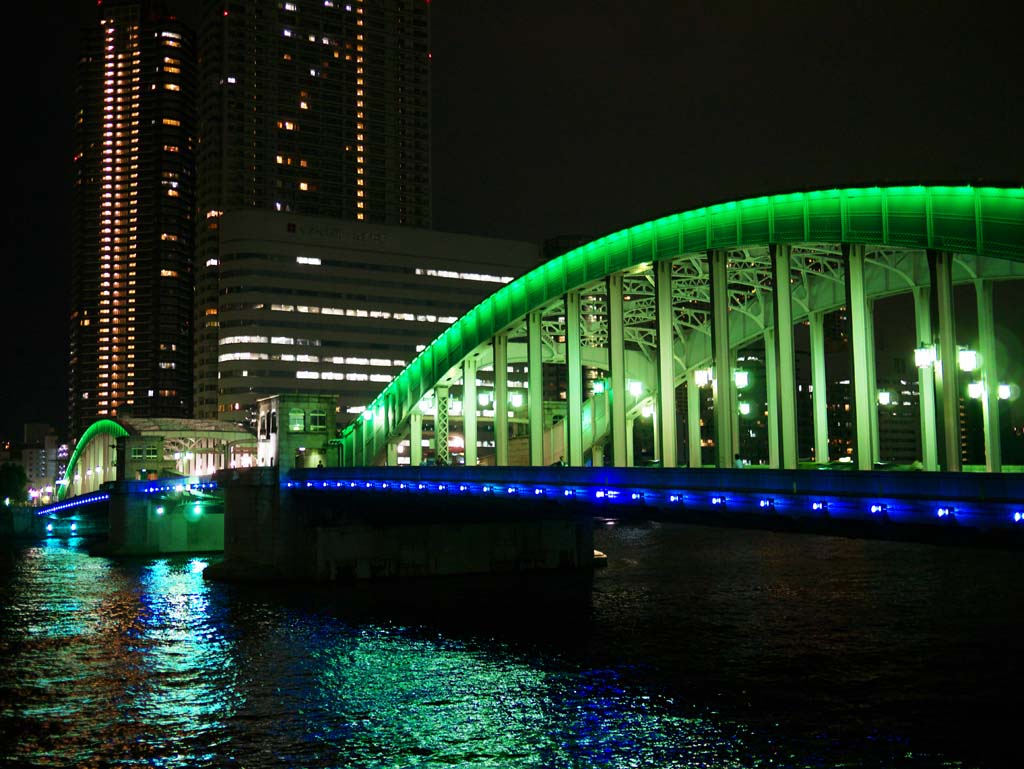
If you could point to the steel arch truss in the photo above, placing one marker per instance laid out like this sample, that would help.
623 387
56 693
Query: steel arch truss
982 227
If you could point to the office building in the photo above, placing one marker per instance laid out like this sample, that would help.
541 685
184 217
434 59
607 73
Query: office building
133 223
320 306
311 107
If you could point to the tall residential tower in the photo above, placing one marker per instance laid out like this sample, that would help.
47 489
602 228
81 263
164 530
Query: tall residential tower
133 217
310 107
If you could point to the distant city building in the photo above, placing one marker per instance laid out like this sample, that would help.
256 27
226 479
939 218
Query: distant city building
132 210
308 107
327 306
41 456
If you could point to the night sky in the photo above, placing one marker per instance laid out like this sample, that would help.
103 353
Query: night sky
555 118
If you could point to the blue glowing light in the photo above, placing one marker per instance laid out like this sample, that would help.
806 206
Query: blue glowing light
674 498
718 500
766 503
160 510
599 494
463 487
877 508
636 495
1018 517
511 490
74 527
819 506
538 492
440 487
569 493
401 485
945 512
49 528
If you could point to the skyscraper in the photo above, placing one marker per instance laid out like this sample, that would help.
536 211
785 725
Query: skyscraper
132 216
316 107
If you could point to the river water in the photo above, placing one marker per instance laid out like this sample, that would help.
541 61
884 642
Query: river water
695 647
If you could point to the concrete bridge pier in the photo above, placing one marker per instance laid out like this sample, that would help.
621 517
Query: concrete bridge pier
318 528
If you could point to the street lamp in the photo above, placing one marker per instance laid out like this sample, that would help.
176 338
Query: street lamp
924 356
968 359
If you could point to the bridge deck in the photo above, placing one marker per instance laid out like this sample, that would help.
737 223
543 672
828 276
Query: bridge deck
869 503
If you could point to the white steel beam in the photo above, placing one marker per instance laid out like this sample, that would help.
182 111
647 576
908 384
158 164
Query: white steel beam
860 386
665 413
616 370
535 392
785 358
989 376
724 402
500 351
574 380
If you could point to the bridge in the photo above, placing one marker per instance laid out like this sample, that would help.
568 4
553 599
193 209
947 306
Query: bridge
636 325
661 309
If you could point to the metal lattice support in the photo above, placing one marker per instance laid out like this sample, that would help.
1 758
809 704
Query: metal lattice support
441 426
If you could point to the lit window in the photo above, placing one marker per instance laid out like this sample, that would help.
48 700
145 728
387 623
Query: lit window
168 273
172 87
307 259
171 121
296 420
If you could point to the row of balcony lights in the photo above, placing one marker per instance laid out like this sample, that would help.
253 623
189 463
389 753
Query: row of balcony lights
717 500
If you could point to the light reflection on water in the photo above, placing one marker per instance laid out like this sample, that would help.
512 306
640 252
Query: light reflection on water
120 663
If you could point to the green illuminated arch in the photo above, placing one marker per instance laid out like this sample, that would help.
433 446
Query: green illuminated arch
102 427
986 222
